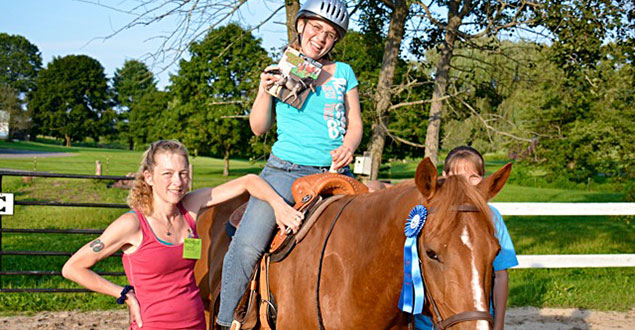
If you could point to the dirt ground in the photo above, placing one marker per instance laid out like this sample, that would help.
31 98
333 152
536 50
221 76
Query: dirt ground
525 318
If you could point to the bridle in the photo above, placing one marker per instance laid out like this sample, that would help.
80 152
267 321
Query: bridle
440 322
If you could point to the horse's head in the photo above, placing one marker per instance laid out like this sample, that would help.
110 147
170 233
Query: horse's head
457 245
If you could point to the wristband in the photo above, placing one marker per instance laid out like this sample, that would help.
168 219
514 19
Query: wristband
123 297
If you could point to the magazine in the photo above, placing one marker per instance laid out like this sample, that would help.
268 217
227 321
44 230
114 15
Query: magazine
298 75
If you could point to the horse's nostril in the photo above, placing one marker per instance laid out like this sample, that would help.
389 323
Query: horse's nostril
432 255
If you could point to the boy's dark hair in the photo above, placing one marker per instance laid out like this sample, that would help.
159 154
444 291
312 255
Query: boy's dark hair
467 153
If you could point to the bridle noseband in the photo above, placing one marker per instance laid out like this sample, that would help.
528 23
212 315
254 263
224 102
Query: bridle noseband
442 324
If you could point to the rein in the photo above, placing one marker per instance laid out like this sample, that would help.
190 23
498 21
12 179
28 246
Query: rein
442 324
319 274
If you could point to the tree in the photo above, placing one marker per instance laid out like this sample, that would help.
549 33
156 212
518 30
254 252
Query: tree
464 21
70 99
585 116
583 121
481 83
130 84
215 89
20 61
382 97
579 25
146 119
19 122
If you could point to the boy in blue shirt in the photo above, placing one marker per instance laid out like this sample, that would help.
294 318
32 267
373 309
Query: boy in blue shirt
468 162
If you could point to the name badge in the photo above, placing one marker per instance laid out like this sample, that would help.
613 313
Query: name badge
192 248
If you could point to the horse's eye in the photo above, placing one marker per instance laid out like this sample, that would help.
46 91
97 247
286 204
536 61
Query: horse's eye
432 255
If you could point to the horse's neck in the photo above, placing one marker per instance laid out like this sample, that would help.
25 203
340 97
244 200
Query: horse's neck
376 233
383 213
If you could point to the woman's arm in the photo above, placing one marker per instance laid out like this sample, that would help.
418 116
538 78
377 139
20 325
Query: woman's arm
286 216
500 298
343 155
77 269
261 115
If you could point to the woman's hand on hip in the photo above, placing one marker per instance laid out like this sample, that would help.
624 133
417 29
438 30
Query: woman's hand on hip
287 217
341 157
133 308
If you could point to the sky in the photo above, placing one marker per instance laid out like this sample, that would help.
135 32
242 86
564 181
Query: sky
65 27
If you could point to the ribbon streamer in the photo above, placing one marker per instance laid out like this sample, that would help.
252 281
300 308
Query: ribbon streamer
413 280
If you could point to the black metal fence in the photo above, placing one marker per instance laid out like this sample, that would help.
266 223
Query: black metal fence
50 231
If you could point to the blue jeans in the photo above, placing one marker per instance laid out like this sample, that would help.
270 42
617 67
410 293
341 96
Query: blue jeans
255 232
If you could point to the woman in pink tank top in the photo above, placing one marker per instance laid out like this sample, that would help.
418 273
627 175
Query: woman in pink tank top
162 292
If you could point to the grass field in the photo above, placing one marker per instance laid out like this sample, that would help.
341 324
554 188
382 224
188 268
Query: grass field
603 289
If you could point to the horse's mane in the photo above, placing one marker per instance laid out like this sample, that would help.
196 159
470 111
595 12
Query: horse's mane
454 191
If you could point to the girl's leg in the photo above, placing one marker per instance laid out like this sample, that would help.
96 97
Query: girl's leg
249 243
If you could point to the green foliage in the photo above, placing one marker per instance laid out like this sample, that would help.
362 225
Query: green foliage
135 94
214 87
20 61
19 122
131 82
71 99
484 79
147 118
583 121
581 27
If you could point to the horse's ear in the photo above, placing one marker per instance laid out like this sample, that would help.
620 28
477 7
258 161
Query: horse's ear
491 185
426 178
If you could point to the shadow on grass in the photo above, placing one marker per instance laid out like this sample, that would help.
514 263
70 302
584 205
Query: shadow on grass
232 172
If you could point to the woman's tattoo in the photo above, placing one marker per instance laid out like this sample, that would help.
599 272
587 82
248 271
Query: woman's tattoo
97 245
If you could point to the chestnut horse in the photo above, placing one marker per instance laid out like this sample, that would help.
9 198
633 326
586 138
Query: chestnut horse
362 255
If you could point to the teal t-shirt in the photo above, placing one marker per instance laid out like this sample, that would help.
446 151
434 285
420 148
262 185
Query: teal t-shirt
306 136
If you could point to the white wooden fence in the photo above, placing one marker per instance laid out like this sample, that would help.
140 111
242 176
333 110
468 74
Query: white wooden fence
570 260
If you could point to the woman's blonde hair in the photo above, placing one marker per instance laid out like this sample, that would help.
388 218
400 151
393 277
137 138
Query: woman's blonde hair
140 196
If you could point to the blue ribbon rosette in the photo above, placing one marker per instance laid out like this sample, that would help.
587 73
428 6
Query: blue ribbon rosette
412 280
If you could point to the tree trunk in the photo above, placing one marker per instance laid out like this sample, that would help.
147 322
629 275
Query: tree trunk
226 167
68 140
385 81
441 78
292 7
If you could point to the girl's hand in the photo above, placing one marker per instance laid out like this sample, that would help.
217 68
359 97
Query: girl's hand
287 217
133 308
269 76
341 156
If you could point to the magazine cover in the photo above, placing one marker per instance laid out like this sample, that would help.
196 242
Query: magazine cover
298 76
